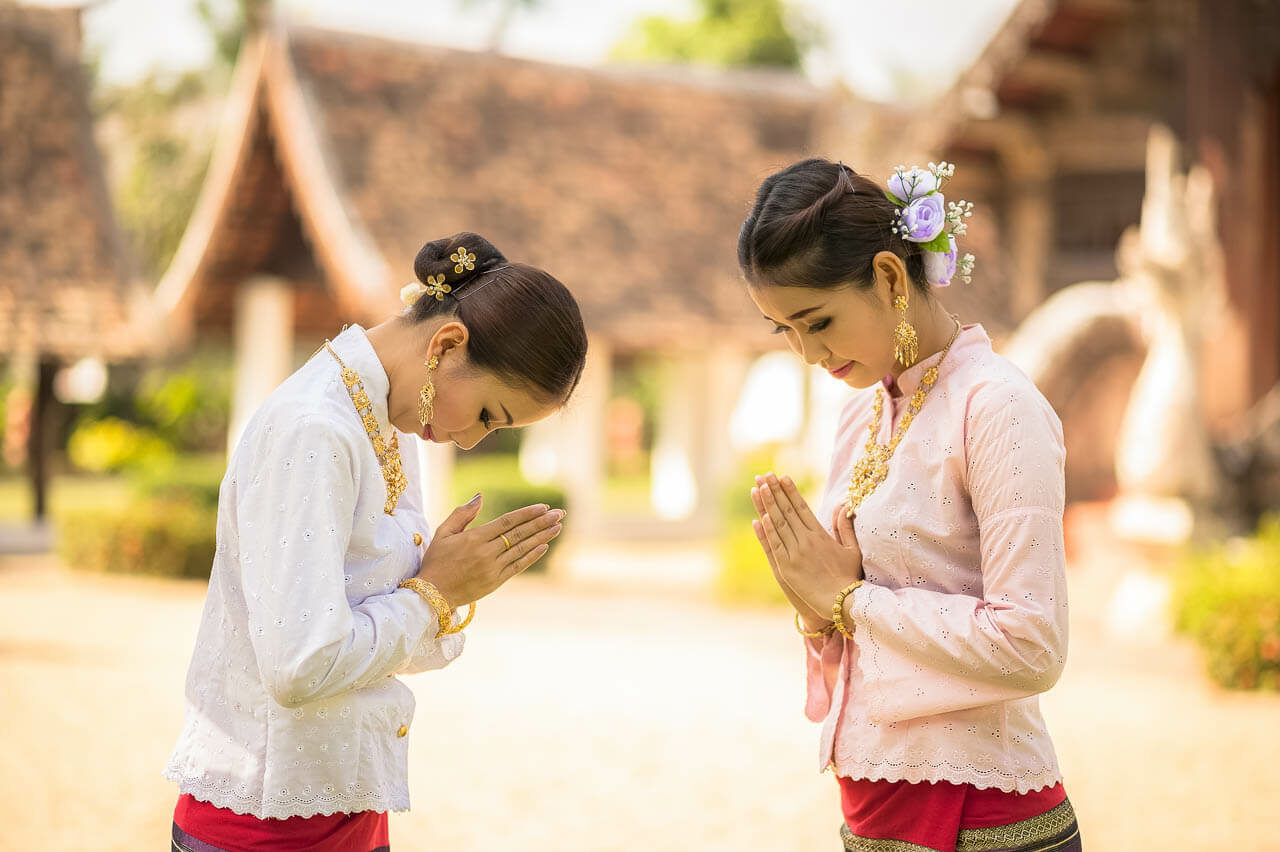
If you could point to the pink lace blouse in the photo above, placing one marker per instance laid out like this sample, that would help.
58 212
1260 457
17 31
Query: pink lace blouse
962 619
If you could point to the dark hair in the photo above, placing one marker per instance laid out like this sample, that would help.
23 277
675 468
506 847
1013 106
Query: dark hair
524 325
820 224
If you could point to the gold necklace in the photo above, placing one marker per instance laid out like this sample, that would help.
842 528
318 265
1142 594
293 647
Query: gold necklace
873 467
388 454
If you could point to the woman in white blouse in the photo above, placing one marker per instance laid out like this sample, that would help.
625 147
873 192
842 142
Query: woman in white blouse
930 584
326 583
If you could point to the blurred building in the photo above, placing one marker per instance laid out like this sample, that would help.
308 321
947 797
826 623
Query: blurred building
66 288
343 154
1060 127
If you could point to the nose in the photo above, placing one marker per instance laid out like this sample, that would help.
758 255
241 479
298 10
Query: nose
812 351
469 439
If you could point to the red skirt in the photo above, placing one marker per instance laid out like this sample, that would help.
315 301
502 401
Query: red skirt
201 827
949 817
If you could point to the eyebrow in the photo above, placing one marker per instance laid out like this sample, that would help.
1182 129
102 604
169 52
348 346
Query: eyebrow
510 419
797 314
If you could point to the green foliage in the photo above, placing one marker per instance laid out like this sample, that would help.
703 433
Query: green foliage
229 30
189 405
498 478
170 538
745 576
149 417
112 444
727 33
191 478
1228 600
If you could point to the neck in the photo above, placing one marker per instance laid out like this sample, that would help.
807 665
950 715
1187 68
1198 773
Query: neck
934 329
391 343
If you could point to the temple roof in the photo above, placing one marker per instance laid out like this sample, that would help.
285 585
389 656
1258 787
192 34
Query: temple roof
626 184
65 283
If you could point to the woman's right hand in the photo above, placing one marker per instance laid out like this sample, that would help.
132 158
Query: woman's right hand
465 565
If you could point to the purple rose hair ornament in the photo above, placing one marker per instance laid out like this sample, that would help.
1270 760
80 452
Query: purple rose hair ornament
923 216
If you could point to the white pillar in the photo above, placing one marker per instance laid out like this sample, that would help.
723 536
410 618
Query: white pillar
582 437
435 461
263 336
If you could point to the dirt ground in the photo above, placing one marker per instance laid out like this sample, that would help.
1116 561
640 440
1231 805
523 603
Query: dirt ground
589 719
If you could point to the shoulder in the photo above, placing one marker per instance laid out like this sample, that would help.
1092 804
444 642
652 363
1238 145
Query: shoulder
304 412
999 395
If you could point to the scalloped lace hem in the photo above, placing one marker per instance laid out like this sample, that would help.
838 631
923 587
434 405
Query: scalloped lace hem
1027 781
221 796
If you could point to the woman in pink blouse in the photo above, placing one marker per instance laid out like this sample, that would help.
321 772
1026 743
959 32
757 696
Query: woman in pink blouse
930 583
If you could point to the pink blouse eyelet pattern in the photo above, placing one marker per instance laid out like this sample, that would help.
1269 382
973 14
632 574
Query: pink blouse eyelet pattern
962 620
290 710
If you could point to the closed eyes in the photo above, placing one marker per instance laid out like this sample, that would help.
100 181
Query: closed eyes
814 328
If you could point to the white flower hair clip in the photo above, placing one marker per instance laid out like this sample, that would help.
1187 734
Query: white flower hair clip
411 293
922 215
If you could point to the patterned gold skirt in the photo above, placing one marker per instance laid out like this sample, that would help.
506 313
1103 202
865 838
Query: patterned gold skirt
1052 831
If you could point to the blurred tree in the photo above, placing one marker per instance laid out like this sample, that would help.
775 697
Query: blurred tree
228 29
157 141
731 33
506 11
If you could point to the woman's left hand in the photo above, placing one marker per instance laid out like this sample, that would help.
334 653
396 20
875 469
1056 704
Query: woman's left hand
807 557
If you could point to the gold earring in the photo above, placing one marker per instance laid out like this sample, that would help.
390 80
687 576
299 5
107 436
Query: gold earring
906 345
427 396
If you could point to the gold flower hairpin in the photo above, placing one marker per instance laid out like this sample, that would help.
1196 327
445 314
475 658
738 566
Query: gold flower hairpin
436 287
463 260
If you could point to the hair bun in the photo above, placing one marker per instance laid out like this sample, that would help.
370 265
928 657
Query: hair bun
459 259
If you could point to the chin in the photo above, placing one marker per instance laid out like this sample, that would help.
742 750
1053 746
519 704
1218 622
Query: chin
861 379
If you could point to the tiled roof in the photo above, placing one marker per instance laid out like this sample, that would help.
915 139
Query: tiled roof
628 186
64 286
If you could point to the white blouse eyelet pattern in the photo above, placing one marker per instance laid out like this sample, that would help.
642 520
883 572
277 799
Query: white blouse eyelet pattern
292 708
962 620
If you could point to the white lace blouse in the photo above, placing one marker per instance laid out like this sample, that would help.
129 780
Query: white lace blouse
292 704
962 620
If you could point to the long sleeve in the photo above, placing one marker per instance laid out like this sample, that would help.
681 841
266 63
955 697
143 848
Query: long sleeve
923 652
295 515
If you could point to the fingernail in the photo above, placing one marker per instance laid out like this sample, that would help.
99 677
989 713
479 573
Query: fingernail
560 513
474 499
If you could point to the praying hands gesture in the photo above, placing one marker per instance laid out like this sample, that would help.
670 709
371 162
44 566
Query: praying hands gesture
810 565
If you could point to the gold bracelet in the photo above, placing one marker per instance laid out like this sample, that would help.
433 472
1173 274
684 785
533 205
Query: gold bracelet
471 613
826 631
429 593
837 610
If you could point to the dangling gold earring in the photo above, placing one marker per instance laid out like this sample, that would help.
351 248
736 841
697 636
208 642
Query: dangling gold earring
427 396
906 345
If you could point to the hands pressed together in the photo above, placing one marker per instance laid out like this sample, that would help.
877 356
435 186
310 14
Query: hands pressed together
811 565
467 564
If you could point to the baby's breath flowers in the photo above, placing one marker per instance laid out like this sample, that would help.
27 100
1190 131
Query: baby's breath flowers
922 215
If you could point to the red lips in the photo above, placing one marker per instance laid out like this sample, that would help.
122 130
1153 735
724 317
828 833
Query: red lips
842 372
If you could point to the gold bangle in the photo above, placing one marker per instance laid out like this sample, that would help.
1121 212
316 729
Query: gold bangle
826 631
837 610
471 613
429 593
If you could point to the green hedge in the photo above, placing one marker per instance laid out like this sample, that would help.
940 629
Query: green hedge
1228 600
497 476
173 537
165 527
745 576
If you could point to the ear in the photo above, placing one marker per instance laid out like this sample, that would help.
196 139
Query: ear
891 277
450 337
